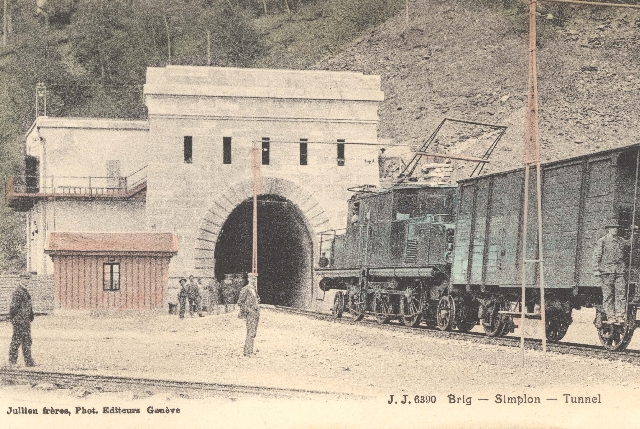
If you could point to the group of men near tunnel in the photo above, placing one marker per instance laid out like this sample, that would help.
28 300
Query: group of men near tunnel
248 302
190 292
610 264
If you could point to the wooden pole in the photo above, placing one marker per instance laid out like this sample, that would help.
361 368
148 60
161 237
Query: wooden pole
523 268
166 27
407 13
532 147
255 169
532 158
5 23
208 47
543 317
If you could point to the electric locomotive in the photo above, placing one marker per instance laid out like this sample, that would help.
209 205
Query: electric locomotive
394 258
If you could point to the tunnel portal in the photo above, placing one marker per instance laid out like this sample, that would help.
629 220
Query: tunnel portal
285 249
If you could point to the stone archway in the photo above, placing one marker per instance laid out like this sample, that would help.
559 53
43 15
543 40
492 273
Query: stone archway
301 221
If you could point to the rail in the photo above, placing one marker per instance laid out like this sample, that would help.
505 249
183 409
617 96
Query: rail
116 383
566 348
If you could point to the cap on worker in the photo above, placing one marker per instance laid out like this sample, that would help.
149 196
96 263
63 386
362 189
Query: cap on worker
613 225
25 276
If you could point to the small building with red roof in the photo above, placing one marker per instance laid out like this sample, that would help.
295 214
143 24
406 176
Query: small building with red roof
111 270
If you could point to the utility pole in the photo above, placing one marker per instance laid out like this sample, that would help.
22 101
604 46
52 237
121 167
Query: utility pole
257 182
407 13
532 159
208 47
5 23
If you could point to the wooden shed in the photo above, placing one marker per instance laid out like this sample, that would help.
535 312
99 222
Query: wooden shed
111 270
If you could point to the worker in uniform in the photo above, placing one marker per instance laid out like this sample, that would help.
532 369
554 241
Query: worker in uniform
249 303
182 297
193 293
610 259
21 315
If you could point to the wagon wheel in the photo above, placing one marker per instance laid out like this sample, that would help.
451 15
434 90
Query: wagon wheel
493 323
445 313
358 304
410 311
616 337
338 305
381 308
557 327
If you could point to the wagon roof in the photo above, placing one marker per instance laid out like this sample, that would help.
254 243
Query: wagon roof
156 242
558 161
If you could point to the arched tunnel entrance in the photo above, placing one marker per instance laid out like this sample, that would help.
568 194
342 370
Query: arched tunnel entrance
284 249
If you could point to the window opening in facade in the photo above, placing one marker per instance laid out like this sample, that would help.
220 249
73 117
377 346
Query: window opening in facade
341 153
303 152
188 149
226 150
265 150
111 276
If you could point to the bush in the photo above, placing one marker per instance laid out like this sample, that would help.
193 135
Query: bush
352 17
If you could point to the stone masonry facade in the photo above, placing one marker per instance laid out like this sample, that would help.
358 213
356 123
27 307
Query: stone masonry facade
191 191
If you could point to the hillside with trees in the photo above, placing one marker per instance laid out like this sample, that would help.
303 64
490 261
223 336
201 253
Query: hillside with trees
92 57
465 59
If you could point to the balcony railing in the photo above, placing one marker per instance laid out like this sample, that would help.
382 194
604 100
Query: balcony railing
84 186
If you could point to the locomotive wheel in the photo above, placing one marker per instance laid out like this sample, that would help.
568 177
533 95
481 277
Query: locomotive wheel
493 323
358 304
338 305
557 328
616 337
446 312
381 308
410 311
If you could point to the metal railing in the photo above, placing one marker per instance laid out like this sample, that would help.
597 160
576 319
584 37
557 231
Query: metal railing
78 185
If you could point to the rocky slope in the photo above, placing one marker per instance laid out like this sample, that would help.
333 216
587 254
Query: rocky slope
462 60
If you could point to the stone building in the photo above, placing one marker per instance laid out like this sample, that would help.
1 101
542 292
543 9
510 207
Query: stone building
187 170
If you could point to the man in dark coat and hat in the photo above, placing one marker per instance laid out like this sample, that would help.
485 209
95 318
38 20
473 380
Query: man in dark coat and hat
182 297
21 315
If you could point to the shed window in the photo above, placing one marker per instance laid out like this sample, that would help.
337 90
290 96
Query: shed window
111 276
265 150
341 152
188 149
226 150
303 151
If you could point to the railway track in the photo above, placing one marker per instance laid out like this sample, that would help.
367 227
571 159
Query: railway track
106 383
631 356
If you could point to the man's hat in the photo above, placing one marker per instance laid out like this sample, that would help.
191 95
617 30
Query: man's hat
25 276
613 225
182 280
